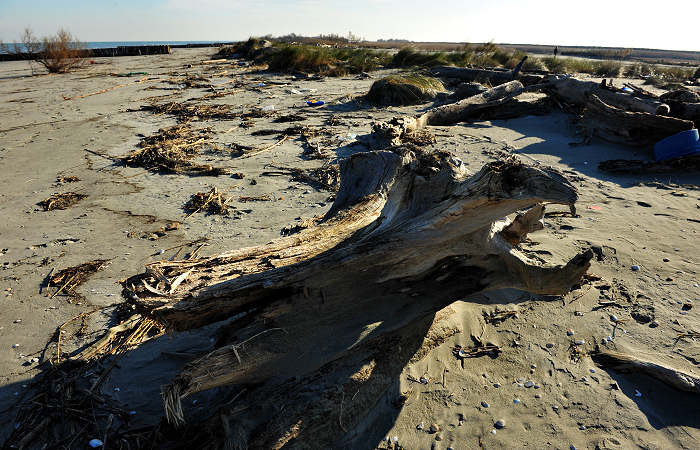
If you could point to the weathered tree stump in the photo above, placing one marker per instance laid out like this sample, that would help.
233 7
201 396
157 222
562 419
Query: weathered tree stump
410 232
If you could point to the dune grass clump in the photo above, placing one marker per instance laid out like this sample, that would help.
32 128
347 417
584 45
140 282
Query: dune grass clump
324 60
569 65
409 57
554 64
639 70
398 90
608 69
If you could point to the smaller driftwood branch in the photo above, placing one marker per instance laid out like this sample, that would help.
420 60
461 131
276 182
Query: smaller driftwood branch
623 362
619 126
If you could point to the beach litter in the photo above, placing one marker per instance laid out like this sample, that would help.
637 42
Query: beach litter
61 201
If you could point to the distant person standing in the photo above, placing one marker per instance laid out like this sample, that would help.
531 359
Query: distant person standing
556 50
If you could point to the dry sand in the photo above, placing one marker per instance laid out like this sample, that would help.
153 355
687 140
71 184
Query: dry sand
645 221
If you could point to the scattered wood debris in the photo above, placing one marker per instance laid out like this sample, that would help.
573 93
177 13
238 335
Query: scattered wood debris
213 202
74 389
171 150
62 201
67 280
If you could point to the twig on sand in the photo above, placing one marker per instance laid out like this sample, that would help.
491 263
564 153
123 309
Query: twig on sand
269 147
102 91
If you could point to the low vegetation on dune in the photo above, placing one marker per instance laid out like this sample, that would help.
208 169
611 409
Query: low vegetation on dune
404 90
324 60
343 58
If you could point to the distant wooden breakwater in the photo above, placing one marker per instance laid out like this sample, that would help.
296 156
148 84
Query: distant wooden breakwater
126 50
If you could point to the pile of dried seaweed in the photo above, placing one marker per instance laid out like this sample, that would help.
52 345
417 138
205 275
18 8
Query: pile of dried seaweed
213 202
171 150
61 201
324 177
191 112
68 279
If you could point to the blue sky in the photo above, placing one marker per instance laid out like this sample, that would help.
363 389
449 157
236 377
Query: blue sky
626 23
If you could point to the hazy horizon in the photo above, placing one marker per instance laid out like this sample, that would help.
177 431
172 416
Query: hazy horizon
625 23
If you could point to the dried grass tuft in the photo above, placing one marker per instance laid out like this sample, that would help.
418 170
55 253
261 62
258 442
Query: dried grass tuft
61 201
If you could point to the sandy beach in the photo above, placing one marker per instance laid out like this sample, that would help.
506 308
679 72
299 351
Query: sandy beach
642 295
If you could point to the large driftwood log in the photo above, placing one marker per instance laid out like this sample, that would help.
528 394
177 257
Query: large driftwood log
689 163
387 134
577 92
637 129
409 233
